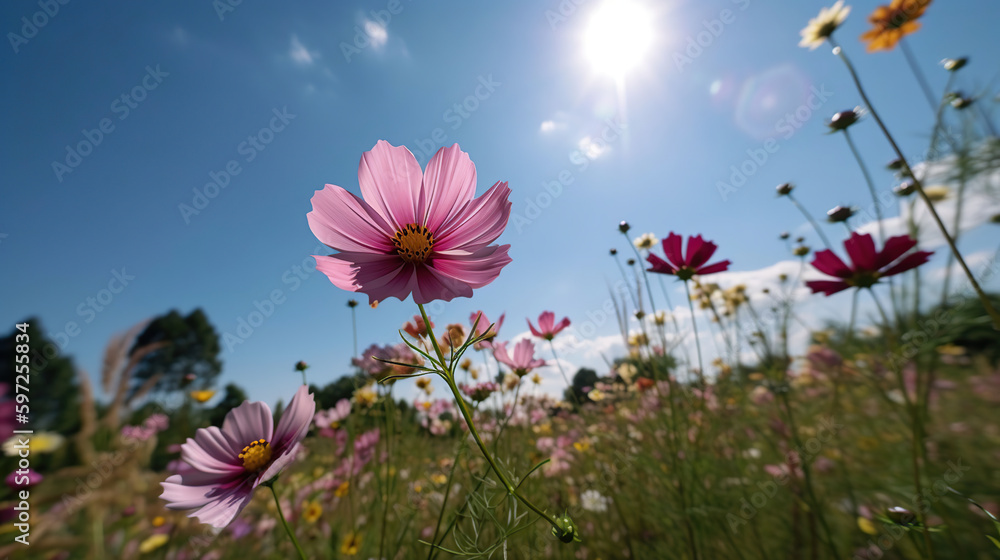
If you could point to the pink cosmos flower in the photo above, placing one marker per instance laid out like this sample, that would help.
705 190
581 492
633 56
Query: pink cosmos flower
547 327
685 266
868 265
413 232
228 464
523 361
482 324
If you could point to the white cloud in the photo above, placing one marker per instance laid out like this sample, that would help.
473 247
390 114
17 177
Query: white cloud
300 54
377 33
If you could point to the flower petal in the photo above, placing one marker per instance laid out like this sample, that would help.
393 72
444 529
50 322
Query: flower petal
827 262
247 423
894 248
672 249
828 287
476 269
210 451
449 182
861 250
390 180
478 223
377 276
912 260
346 223
713 268
294 422
432 284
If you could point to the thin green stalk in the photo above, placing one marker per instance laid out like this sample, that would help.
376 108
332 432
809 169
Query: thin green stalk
812 221
987 304
444 503
921 79
569 385
869 182
464 409
389 429
281 515
697 342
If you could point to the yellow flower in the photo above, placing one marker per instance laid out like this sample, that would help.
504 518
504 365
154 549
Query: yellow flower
152 543
439 479
474 373
42 442
423 383
638 339
465 364
660 318
202 396
950 350
351 545
341 490
890 23
581 446
823 25
365 396
937 193
627 372
596 395
159 521
312 512
867 526
536 379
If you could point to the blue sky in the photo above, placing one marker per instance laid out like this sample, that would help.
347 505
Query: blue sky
274 100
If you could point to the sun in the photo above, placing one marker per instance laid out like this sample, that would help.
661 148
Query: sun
617 37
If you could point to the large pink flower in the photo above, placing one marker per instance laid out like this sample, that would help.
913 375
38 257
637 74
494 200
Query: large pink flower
547 327
227 465
413 232
523 360
868 265
684 266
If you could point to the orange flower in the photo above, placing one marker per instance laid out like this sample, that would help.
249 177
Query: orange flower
892 22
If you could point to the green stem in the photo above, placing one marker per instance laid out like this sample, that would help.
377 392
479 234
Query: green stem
284 523
447 491
869 182
812 221
912 61
987 304
697 342
464 409
569 386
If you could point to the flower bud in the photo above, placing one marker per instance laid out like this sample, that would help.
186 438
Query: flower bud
844 119
613 252
954 64
301 366
784 235
800 251
624 227
840 214
905 189
901 516
894 165
567 531
784 189
630 262
352 303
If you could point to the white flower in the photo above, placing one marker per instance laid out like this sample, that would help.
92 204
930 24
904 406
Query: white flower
822 26
645 241
627 372
592 500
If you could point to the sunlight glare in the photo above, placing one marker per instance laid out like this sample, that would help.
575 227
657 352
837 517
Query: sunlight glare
617 37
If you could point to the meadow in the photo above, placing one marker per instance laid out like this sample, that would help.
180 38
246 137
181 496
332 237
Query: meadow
733 425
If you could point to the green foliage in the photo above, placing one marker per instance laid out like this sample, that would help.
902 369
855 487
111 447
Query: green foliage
192 347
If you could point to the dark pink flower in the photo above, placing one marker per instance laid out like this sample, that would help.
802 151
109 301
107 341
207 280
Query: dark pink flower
684 266
413 232
523 360
547 327
228 464
867 264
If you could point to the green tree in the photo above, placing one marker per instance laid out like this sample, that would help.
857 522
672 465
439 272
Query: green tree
192 347
54 396
584 377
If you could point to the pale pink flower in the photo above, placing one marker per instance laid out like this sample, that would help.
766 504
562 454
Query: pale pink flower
414 232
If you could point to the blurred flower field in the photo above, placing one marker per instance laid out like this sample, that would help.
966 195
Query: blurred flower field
732 426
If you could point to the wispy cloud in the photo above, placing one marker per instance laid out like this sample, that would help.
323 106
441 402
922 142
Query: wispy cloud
300 54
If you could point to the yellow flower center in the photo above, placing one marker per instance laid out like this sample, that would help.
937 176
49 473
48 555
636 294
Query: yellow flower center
256 455
413 243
